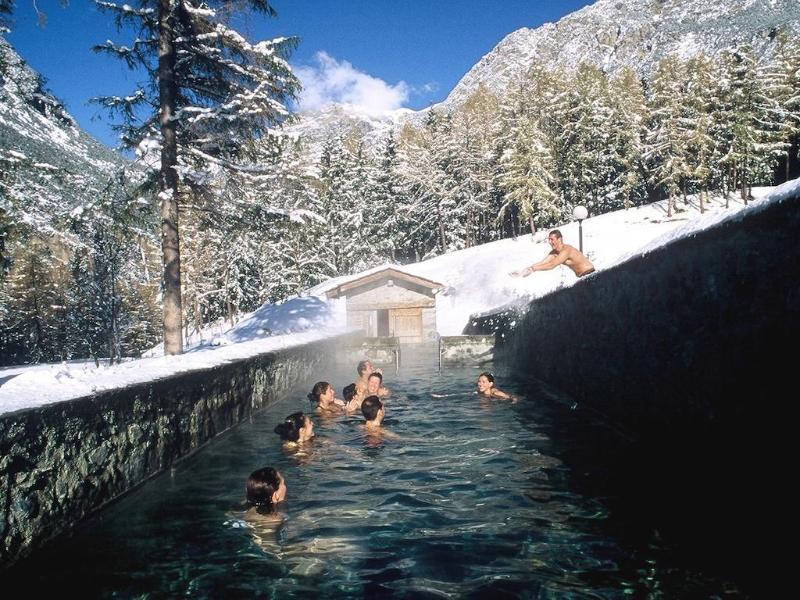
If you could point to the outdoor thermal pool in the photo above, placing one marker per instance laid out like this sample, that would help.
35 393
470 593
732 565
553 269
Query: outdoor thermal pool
474 501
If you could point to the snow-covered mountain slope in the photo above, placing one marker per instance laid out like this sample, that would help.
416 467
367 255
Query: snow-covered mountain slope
45 157
614 34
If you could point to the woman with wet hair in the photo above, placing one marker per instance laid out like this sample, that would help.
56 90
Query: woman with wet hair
296 428
352 397
265 488
486 388
324 397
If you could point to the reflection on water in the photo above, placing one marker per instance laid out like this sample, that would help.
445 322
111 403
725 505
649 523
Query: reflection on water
472 500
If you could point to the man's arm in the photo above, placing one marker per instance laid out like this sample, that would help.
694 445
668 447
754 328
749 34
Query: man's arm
551 261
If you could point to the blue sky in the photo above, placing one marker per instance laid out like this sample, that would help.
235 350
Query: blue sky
378 54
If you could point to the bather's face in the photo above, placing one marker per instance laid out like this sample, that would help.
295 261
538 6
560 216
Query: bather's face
373 385
327 396
484 385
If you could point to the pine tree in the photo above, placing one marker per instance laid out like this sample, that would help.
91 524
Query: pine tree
426 167
209 91
586 169
382 212
476 126
780 81
699 120
528 177
754 145
628 124
666 150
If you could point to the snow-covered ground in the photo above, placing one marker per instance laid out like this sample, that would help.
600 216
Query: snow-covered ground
476 280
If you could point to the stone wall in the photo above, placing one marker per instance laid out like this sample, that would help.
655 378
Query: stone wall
61 462
688 353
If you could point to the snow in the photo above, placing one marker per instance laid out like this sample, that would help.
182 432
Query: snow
476 281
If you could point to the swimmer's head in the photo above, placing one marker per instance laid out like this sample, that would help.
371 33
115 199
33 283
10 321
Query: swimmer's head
371 407
349 392
364 366
320 389
374 382
297 427
265 488
485 382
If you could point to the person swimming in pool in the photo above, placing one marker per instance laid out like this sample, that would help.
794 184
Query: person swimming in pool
364 369
352 398
372 409
324 396
486 388
265 489
375 385
297 428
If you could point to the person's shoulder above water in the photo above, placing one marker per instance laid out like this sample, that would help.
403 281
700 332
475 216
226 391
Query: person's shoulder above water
486 388
324 398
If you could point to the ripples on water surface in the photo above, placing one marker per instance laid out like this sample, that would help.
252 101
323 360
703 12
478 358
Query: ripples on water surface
473 501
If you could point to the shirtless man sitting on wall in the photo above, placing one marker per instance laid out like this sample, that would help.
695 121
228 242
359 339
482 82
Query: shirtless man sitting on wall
561 254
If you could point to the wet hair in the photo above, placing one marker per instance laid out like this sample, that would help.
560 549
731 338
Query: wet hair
289 430
362 366
556 233
260 486
349 392
488 376
376 374
319 388
370 407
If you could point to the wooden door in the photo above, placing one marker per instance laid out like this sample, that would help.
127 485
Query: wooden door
406 324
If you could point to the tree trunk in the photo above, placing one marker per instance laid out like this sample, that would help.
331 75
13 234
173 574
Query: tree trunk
168 183
442 238
532 225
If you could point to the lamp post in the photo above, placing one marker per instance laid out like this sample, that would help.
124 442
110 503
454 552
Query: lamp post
580 213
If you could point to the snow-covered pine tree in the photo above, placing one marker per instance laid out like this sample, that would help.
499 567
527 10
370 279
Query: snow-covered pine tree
780 79
538 101
628 122
33 310
343 180
701 73
527 174
753 128
586 169
476 126
293 256
427 157
665 148
382 212
209 90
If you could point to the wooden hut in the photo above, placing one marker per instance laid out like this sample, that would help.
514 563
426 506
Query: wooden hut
390 302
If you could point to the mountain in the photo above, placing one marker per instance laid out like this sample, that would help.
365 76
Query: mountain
614 34
49 167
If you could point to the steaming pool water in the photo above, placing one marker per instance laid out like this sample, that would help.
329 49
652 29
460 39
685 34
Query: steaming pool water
475 500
